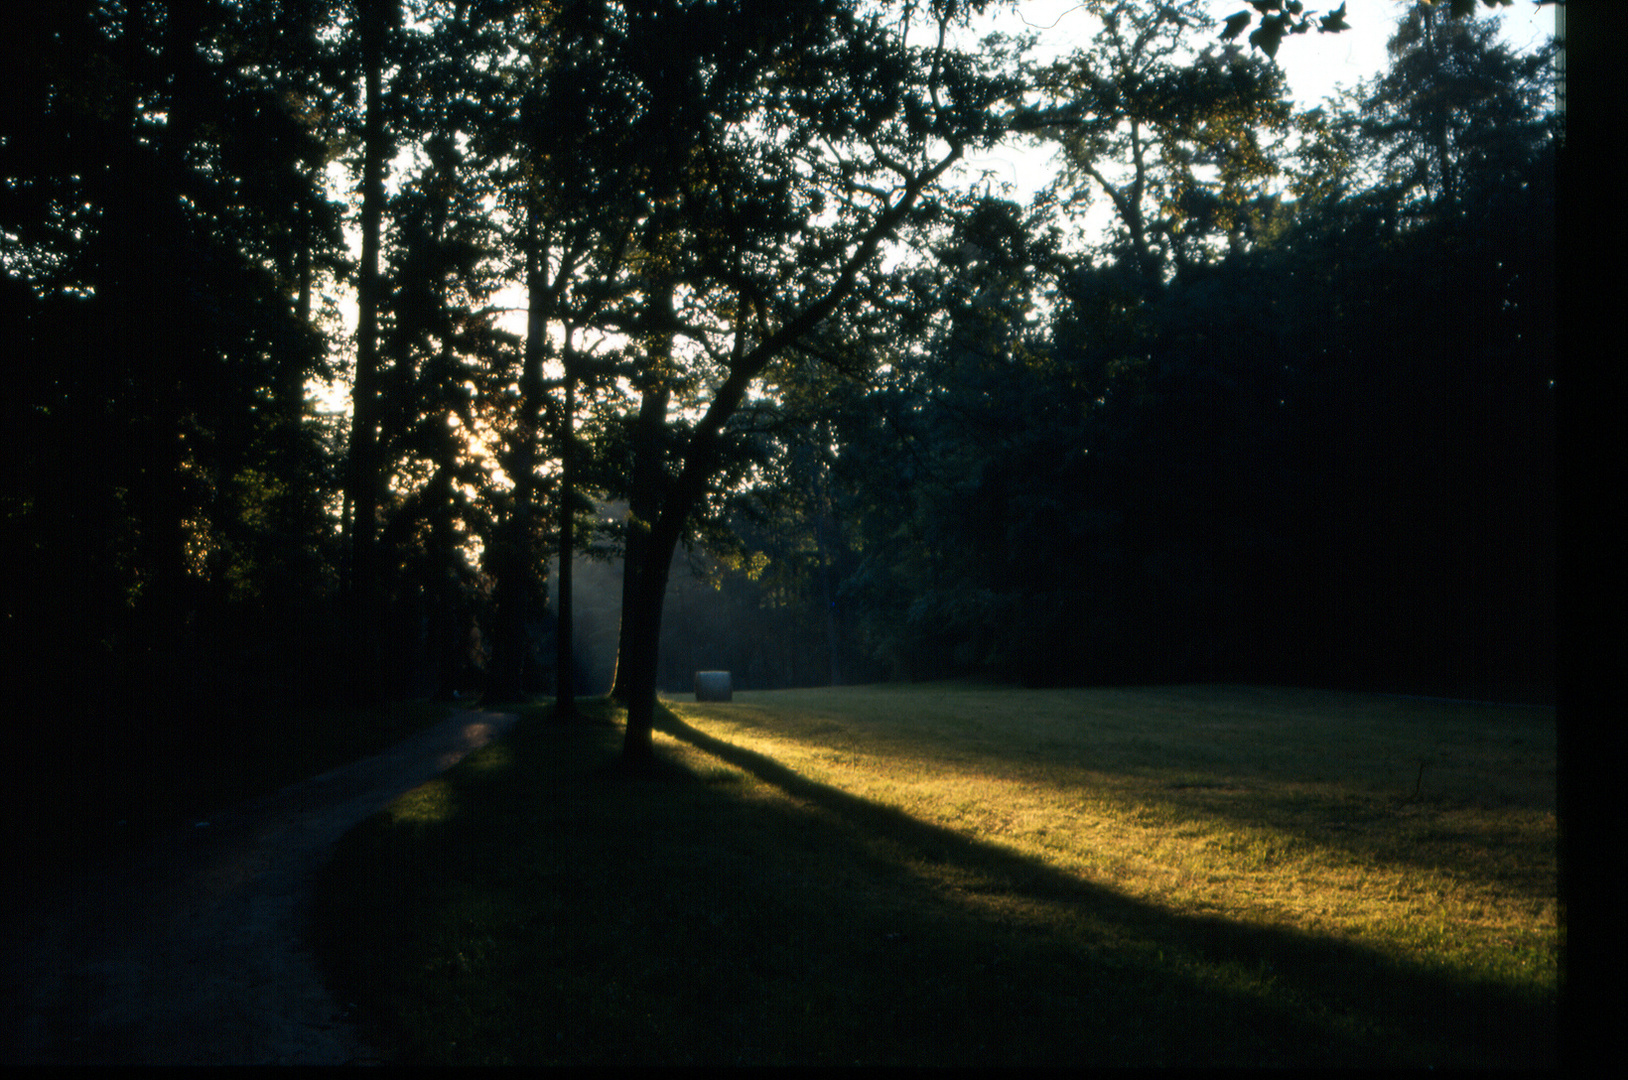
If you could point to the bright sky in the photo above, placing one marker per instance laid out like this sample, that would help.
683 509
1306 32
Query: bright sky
1315 64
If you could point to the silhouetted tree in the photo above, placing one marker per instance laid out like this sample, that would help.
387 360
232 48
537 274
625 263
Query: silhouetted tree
161 205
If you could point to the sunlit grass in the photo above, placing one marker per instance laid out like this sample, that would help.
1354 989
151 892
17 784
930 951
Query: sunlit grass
1293 808
956 875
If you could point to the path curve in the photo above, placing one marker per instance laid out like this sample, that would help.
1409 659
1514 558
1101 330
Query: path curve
192 950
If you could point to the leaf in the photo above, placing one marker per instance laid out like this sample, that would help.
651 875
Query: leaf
1235 25
1463 8
1266 7
1334 23
1270 35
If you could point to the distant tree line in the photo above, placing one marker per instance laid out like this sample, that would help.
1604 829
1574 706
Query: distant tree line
1302 435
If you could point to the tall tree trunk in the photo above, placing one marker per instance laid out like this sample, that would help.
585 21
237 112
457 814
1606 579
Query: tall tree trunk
701 459
291 375
638 655
510 648
564 683
644 501
828 597
364 479
824 532
448 641
643 634
155 372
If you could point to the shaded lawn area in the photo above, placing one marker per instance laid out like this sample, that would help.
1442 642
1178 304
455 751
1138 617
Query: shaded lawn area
537 906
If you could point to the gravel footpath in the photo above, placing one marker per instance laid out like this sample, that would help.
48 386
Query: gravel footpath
191 951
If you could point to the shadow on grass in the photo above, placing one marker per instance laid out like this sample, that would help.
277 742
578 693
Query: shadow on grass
538 907
1310 975
1354 772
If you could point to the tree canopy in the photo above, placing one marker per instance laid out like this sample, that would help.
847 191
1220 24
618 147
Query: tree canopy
1289 417
1275 20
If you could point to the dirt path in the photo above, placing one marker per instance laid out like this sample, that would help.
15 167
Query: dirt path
192 951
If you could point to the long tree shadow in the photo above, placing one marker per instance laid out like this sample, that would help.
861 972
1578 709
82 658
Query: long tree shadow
1281 792
539 906
1311 999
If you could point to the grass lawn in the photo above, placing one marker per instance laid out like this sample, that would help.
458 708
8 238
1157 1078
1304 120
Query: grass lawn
955 874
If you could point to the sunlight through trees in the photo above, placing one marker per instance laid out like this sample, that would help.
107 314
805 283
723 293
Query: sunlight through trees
1289 417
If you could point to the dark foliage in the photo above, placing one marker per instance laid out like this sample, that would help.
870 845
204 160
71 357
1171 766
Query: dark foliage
1244 438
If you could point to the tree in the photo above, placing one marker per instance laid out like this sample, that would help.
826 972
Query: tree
572 189
159 198
1340 423
1435 289
377 21
797 141
1179 147
1455 103
1282 18
443 344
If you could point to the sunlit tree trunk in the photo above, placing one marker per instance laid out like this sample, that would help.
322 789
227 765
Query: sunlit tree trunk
701 459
